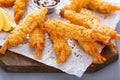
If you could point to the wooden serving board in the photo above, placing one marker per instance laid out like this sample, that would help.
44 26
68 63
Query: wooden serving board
12 62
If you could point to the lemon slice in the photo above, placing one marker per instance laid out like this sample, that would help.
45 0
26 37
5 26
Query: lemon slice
1 20
9 21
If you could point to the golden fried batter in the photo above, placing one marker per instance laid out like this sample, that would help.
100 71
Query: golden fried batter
61 48
97 5
92 49
36 40
89 20
6 3
73 31
81 34
102 6
84 18
74 5
32 20
19 9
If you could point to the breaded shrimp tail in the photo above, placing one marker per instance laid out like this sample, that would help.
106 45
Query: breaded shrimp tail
61 48
36 18
4 48
92 49
102 6
19 9
6 3
36 40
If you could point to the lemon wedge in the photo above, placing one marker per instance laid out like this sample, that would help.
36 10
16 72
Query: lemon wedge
9 21
1 21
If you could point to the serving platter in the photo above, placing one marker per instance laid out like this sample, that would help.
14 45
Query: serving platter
13 62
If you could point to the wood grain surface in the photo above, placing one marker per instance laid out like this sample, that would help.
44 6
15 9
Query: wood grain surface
13 62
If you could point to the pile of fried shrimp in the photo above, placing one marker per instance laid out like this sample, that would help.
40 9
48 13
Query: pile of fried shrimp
84 27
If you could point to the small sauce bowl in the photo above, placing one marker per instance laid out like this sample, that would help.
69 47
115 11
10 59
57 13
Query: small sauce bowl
49 4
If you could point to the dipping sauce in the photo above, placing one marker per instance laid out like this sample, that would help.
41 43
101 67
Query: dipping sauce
46 3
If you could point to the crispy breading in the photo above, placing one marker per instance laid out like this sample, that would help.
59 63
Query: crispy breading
61 48
89 20
84 18
36 18
92 48
6 3
97 5
73 31
75 5
102 6
19 9
36 40
79 33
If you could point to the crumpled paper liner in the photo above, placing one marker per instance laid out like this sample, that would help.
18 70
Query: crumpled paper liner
78 61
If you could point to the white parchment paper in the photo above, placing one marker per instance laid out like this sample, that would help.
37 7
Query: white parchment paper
78 61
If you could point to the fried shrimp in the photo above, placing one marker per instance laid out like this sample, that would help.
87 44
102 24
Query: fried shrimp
84 18
79 33
19 9
73 31
97 5
36 18
6 3
74 5
102 6
61 48
36 40
92 49
89 20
